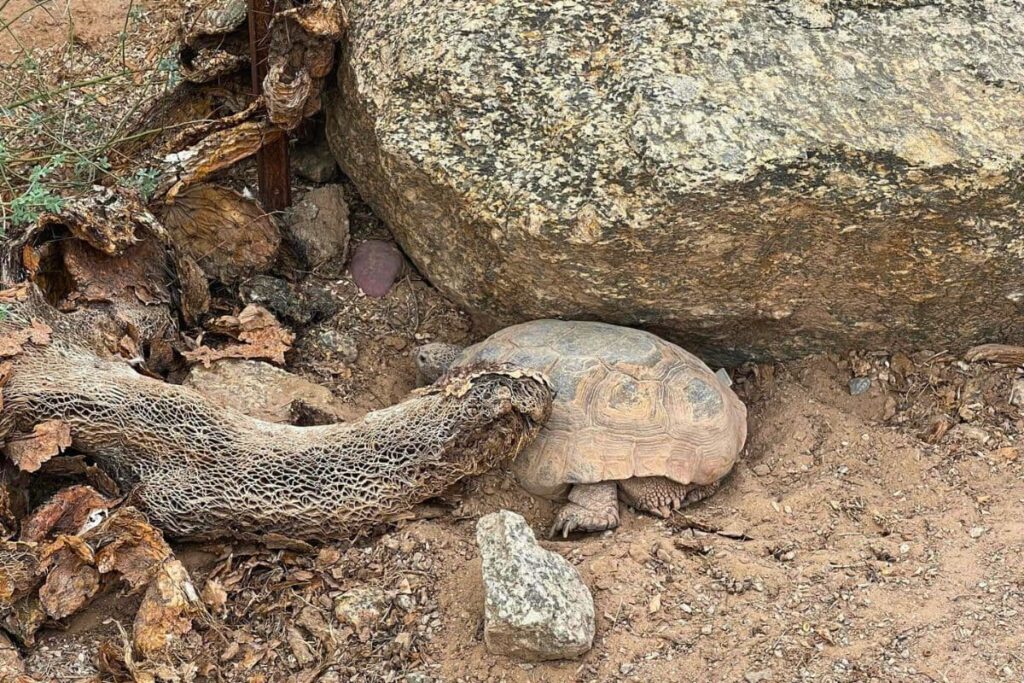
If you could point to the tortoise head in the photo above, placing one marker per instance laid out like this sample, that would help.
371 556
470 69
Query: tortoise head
434 359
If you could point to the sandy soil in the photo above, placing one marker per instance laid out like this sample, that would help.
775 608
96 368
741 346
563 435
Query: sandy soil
33 25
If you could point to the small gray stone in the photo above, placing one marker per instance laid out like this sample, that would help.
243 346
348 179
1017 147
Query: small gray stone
317 228
757 676
762 470
858 385
336 344
315 162
300 305
360 607
536 606
723 376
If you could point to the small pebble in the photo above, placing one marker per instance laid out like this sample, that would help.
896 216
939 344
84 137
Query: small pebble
655 604
977 532
858 385
375 266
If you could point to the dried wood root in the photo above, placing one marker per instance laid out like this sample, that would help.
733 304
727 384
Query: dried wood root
996 353
200 470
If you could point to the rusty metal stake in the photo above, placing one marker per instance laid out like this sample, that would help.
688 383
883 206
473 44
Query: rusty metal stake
272 159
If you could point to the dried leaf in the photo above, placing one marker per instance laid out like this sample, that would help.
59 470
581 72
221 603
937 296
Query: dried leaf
215 152
319 62
286 90
13 342
312 619
12 669
326 19
19 563
30 259
212 17
262 336
138 273
77 466
996 353
166 611
65 545
195 290
215 596
23 619
128 544
71 580
936 430
47 440
39 333
13 499
66 512
227 235
14 294
299 647
210 63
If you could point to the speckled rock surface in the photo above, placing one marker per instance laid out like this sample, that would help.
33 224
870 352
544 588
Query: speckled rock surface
264 391
318 228
747 178
536 606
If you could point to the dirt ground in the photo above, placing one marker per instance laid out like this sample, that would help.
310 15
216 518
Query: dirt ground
842 548
876 537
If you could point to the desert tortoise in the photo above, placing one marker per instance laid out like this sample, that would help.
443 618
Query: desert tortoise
634 416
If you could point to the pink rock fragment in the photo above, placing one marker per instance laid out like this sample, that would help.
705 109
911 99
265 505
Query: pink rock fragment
375 266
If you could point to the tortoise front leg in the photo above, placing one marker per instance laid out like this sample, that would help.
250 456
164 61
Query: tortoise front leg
660 495
591 507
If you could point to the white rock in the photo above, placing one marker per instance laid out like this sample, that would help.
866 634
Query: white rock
536 606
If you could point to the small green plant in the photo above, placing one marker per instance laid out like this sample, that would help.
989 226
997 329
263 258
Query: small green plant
170 69
37 196
145 180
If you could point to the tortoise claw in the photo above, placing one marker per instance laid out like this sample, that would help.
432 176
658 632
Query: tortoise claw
572 517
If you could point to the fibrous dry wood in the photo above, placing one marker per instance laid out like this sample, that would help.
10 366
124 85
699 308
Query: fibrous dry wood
199 469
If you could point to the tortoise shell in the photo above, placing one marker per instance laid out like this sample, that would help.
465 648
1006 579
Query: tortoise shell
627 404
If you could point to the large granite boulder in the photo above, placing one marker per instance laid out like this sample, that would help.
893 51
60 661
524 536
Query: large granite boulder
752 179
